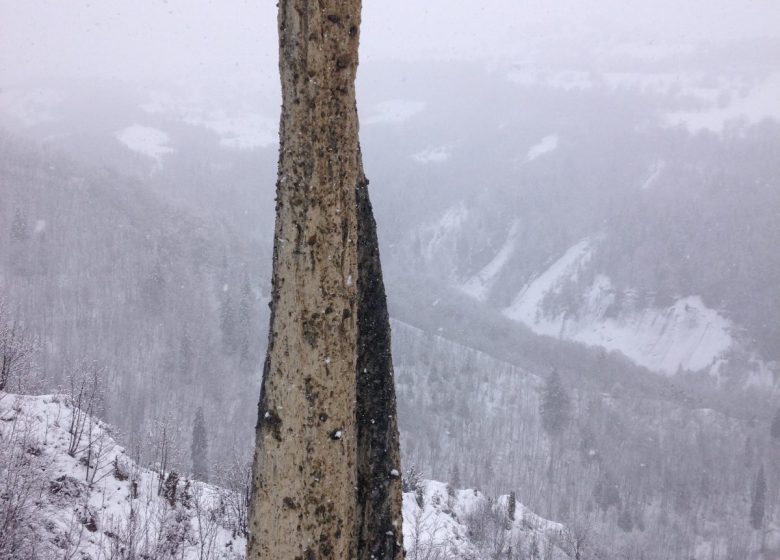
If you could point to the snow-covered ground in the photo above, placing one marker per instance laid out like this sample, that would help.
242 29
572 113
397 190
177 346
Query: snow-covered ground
147 141
546 145
655 172
245 132
756 104
89 500
442 522
441 232
686 335
240 127
478 286
719 100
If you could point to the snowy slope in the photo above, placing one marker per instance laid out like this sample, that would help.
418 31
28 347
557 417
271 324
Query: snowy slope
147 141
67 509
441 522
686 335
478 286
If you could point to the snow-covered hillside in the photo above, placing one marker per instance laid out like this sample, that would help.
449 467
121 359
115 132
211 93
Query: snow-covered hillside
441 522
686 335
146 141
68 490
73 492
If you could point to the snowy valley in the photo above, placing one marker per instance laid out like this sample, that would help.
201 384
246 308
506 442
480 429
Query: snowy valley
598 229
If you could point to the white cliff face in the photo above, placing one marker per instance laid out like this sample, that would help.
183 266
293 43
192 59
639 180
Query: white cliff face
687 335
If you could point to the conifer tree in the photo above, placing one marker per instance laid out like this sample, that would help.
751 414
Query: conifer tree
555 407
758 506
200 447
19 230
774 429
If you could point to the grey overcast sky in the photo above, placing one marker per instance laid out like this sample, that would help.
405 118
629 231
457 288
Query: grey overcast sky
201 39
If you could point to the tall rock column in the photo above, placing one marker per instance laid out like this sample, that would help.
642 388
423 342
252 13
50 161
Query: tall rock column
325 481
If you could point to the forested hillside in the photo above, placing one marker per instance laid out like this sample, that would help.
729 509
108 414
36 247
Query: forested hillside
163 305
632 467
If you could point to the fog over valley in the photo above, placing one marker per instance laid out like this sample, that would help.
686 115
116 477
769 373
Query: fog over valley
578 214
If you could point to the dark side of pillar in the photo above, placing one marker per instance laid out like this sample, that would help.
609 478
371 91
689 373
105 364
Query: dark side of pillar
379 516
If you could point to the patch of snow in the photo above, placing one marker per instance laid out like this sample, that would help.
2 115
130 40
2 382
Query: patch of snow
759 103
242 128
145 140
393 111
686 335
720 100
655 171
433 155
478 286
546 145
444 228
244 132
526 308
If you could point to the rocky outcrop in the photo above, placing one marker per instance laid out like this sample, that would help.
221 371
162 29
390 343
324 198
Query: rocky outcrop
326 461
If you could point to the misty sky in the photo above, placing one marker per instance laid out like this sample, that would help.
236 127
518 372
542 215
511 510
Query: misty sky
200 40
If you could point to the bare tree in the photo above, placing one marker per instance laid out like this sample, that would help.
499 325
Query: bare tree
206 525
85 394
235 492
425 536
22 482
16 350
576 537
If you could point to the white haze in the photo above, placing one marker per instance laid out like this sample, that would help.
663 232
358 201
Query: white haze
199 41
590 187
